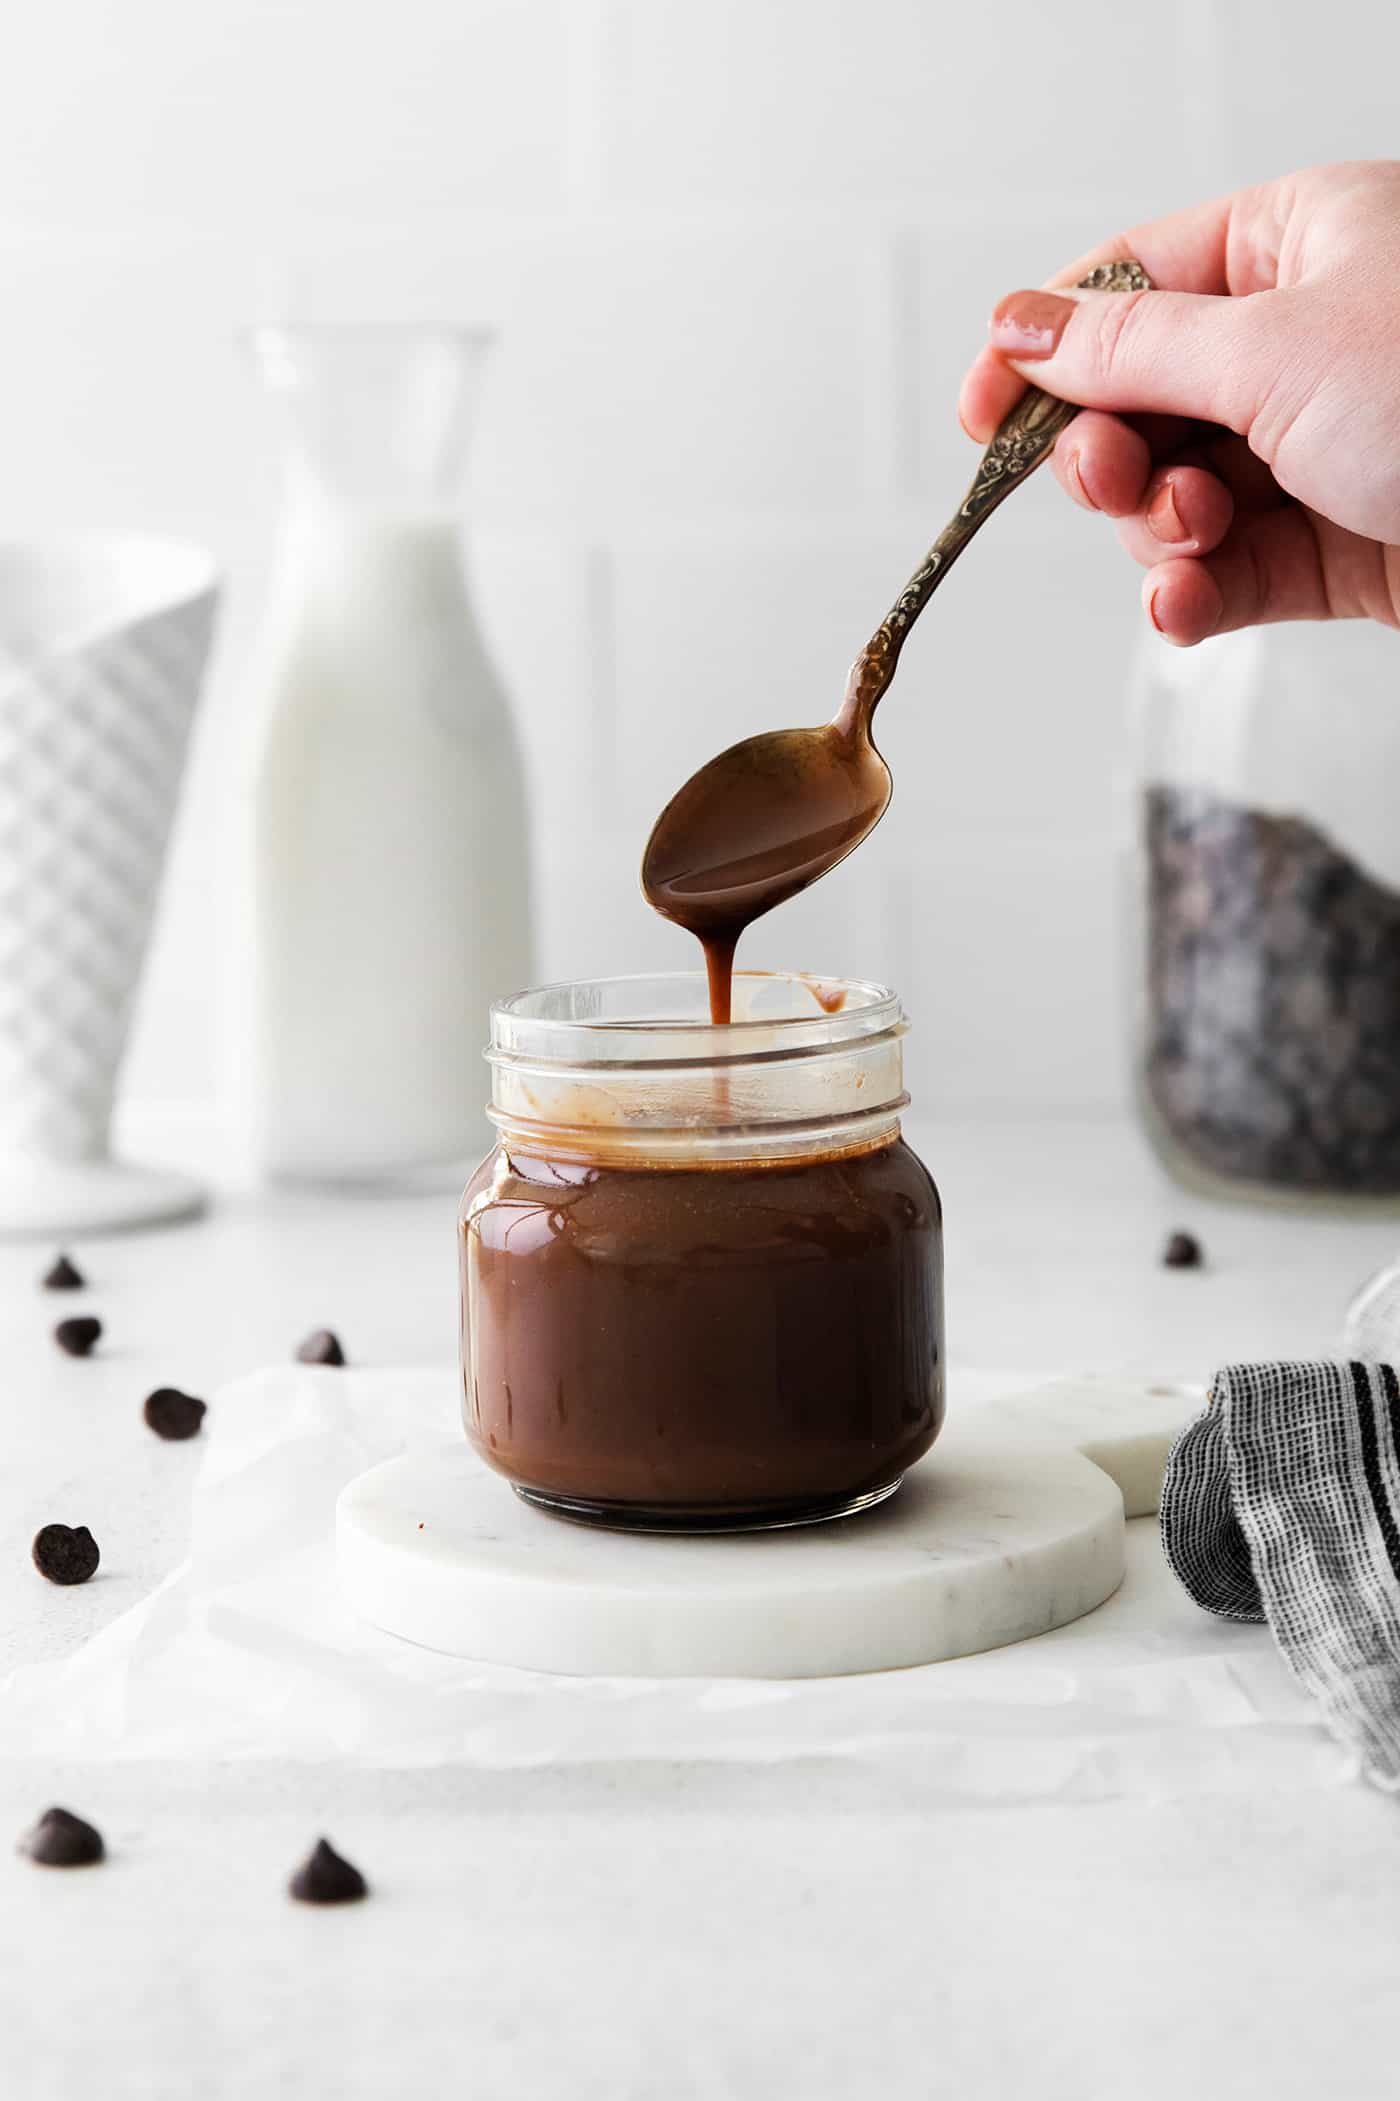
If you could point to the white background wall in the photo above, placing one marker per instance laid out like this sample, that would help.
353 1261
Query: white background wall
740 251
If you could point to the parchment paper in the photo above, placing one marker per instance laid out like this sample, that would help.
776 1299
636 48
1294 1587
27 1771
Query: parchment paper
247 1652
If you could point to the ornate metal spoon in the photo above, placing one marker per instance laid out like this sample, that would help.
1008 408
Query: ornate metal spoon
771 815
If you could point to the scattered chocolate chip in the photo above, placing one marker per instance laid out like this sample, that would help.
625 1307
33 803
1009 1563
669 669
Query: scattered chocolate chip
173 1414
62 1840
65 1553
1182 1251
321 1348
64 1276
324 1878
78 1336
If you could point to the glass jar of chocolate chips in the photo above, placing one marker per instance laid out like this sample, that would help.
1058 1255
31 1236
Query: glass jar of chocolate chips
1267 878
702 1272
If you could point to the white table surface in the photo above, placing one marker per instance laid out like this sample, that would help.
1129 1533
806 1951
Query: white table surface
804 1930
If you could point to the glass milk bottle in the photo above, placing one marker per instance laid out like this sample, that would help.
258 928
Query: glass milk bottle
389 881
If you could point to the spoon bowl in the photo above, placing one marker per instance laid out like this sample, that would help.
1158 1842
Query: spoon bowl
761 822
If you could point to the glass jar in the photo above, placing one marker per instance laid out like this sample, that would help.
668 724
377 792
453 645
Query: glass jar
702 1274
1268 877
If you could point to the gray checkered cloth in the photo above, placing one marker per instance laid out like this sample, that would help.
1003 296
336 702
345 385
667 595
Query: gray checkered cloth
1282 1503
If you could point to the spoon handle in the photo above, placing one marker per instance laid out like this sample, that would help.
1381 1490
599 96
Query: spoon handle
1025 438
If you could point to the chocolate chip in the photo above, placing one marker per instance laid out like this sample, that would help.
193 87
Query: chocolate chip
1182 1251
62 1840
321 1348
65 1277
78 1336
173 1414
324 1878
65 1553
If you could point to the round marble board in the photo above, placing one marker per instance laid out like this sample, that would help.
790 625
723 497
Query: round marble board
1005 1531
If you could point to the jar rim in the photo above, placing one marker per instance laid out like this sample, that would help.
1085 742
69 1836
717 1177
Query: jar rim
634 1067
587 1019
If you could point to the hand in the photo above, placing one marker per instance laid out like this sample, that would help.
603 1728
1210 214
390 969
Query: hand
1242 424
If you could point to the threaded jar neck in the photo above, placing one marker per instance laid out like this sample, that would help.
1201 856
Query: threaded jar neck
631 1070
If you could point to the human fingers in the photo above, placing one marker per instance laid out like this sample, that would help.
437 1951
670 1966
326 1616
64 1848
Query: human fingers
1186 250
1184 511
989 392
1267 569
1103 463
1179 353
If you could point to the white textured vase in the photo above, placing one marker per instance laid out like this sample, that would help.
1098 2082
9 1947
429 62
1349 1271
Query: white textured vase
103 645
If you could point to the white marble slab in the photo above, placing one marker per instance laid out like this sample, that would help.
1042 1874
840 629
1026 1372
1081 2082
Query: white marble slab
1126 1425
991 1539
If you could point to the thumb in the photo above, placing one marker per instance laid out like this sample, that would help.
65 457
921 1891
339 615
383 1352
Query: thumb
1173 353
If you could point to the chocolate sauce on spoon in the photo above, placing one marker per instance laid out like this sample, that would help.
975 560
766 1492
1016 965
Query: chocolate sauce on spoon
754 827
772 814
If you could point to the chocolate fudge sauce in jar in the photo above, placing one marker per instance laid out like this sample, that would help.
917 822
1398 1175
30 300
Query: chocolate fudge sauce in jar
701 1271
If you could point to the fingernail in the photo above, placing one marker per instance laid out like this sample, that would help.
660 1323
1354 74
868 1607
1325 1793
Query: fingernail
1030 324
1165 519
1076 476
1151 604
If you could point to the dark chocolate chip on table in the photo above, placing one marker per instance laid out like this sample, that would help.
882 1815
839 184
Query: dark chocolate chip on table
324 1878
78 1336
321 1348
65 1553
65 1276
173 1414
62 1840
1182 1251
